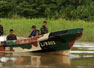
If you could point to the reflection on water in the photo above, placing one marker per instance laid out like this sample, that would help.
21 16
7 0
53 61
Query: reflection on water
31 60
24 60
16 60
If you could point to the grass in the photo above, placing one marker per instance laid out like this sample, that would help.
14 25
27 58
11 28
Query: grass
22 26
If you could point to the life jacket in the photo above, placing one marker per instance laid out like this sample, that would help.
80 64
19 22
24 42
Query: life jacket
33 33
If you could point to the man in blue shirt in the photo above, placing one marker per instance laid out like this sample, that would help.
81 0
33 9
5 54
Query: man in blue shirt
34 32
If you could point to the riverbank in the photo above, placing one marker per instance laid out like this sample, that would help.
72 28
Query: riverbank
22 26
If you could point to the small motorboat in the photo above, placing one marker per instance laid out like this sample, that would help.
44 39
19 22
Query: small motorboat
56 42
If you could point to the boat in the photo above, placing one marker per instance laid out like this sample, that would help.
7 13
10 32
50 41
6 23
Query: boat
54 42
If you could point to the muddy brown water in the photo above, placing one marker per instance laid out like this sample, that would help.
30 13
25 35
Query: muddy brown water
82 56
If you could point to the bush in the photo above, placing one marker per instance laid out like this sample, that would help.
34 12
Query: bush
68 9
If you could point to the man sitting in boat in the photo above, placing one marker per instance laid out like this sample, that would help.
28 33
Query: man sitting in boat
44 29
34 32
11 36
1 30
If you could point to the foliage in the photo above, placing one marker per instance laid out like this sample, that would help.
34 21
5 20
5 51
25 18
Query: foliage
67 9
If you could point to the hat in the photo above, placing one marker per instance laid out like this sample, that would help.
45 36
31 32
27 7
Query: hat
44 21
33 26
11 30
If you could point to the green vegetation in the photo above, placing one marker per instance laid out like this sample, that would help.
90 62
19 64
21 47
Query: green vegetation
66 9
60 14
22 26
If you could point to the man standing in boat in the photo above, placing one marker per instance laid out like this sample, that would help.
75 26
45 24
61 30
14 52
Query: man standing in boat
1 30
44 29
34 32
11 36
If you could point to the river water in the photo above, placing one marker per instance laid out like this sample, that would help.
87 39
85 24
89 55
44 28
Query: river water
81 56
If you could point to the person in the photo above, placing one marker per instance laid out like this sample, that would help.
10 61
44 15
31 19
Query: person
44 29
34 32
11 36
1 30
